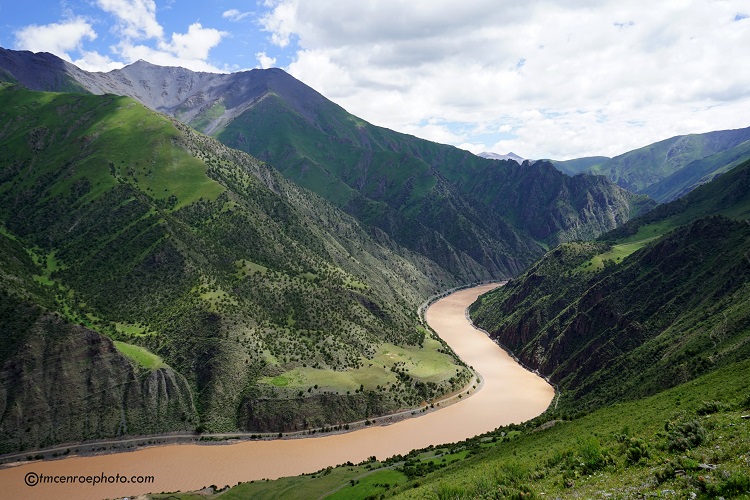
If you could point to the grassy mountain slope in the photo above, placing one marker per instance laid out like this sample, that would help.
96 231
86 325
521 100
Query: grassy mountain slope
154 235
673 167
698 172
435 199
579 165
640 312
459 210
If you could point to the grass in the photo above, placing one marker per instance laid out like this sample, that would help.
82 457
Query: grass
131 330
141 356
215 297
615 254
370 486
650 231
426 364
108 135
246 268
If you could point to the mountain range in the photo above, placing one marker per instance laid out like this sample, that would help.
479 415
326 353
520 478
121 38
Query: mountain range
477 218
644 334
225 296
669 169
209 270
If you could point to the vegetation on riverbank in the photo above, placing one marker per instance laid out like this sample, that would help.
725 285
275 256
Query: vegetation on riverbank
691 439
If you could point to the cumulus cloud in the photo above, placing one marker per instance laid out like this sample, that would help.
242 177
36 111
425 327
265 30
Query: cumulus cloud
265 61
93 61
137 24
56 38
567 79
195 44
137 18
139 36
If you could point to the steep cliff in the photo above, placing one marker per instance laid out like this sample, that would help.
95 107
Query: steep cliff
62 383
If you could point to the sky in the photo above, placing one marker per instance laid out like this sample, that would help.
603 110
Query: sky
543 79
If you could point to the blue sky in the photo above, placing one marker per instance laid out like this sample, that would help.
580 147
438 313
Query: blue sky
114 29
541 78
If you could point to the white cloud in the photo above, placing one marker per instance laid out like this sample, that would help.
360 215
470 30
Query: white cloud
93 61
597 77
265 61
195 44
56 38
235 15
137 18
139 36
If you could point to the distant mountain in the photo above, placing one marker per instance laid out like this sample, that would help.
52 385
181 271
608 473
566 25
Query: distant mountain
474 217
671 168
655 303
579 165
153 279
509 156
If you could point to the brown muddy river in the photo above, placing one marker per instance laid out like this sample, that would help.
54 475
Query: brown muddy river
509 394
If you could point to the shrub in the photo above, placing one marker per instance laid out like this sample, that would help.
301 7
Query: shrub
685 435
709 407
593 456
637 451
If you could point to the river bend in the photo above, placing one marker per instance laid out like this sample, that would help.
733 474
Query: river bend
509 394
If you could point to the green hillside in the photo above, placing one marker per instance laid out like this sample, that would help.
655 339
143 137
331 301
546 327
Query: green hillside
637 312
479 218
202 259
669 169
698 172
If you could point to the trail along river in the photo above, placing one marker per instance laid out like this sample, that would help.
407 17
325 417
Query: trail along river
509 394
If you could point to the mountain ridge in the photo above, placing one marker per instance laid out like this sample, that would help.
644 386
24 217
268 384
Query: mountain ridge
671 168
422 194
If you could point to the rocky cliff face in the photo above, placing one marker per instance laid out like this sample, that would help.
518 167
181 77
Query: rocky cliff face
64 383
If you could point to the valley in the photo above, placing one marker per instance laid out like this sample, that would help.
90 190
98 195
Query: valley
188 258
508 393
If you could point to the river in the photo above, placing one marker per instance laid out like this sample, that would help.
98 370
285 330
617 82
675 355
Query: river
509 394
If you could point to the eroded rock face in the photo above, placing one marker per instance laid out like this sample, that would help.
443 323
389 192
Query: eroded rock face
65 383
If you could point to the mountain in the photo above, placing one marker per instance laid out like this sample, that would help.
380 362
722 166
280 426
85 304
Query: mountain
579 165
509 156
653 304
475 217
669 169
153 279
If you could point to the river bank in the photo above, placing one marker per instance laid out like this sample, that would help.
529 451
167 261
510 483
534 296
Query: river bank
509 394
